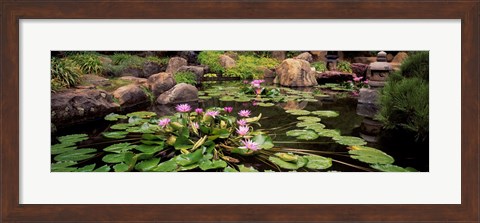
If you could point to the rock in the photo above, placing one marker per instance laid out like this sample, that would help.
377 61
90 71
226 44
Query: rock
305 56
333 76
95 80
197 70
175 63
135 80
295 73
161 82
178 94
389 57
132 71
368 96
73 106
364 60
190 56
359 69
400 57
150 68
319 55
105 60
130 96
279 55
232 55
226 61
267 73
367 110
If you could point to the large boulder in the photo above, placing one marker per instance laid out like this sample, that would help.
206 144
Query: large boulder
160 83
190 56
175 63
130 96
279 55
197 70
295 73
359 69
78 105
319 55
135 80
178 94
400 57
226 61
95 80
305 56
150 68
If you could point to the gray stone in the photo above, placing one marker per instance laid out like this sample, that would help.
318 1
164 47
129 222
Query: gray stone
175 63
279 55
197 70
135 80
178 94
295 73
130 96
150 68
367 110
305 56
368 96
161 82
226 61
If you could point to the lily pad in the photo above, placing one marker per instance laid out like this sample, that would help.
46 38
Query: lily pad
114 158
87 168
300 162
298 112
349 140
167 166
227 98
121 167
263 141
315 127
265 104
309 119
142 114
120 126
114 117
147 165
115 135
204 97
76 155
326 113
150 149
189 159
74 138
370 155
104 168
243 168
212 164
229 169
307 124
61 148
119 147
327 132
391 168
318 162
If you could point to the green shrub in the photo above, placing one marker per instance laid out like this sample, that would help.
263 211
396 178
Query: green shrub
88 62
185 77
319 66
291 54
158 60
64 73
416 65
127 60
344 66
212 60
250 67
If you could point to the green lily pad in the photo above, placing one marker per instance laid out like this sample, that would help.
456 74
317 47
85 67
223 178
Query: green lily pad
104 168
327 132
188 159
87 168
326 113
114 117
74 138
318 162
300 162
114 158
315 127
188 167
263 141
370 155
61 148
167 166
229 169
298 112
119 147
243 168
242 99
349 140
309 119
307 124
115 135
76 155
309 100
120 126
227 98
182 142
150 149
204 97
265 104
64 166
391 168
147 165
121 167
215 164
142 114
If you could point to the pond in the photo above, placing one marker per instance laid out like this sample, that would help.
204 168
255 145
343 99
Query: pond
310 129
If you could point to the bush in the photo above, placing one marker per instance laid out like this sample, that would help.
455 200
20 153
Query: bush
122 61
344 66
404 99
64 73
212 60
88 62
250 67
319 66
185 77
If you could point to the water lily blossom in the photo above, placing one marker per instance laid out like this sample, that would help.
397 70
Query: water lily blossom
199 111
164 122
213 114
243 130
249 144
195 125
242 122
357 79
365 82
183 108
228 109
244 113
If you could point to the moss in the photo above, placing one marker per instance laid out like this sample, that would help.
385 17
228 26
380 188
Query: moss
212 60
115 83
250 67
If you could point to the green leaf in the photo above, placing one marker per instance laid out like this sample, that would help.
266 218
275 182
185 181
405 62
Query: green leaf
61 148
318 162
188 167
120 126
104 168
182 142
114 158
115 135
288 165
149 149
63 164
76 155
222 133
244 152
87 168
264 141
243 168
391 168
121 167
298 112
188 159
167 166
309 119
119 147
308 124
114 117
147 165
370 155
265 104
142 114
327 132
315 127
74 138
227 98
303 134
326 113
229 169
349 140
215 164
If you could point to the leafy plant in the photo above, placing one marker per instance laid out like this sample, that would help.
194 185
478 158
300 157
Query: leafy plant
319 66
210 75
344 66
416 65
64 73
88 62
186 77
212 60
250 67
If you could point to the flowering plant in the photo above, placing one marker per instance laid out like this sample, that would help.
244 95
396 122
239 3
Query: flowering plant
255 87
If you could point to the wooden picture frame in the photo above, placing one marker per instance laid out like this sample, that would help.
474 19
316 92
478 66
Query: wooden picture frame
13 11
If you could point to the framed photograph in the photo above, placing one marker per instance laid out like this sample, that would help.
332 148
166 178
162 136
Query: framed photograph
239 111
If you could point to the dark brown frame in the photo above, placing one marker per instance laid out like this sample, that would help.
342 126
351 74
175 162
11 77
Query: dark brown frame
12 11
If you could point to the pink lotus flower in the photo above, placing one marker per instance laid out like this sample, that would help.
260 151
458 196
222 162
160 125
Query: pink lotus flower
365 82
357 79
257 82
164 122
228 109
195 125
243 130
249 144
242 122
199 111
212 113
244 113
183 108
